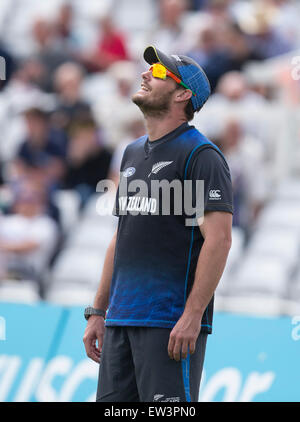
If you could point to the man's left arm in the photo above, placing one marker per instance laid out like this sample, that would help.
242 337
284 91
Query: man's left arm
216 231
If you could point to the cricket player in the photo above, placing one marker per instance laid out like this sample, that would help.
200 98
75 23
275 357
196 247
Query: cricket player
153 310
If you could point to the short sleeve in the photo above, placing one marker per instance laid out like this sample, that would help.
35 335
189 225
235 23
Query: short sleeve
210 166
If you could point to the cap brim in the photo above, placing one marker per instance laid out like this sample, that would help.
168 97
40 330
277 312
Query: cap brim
153 55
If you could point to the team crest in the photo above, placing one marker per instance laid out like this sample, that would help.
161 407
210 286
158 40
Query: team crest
129 172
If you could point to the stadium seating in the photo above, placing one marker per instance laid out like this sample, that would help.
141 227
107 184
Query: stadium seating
24 291
97 86
68 203
91 235
70 294
294 292
258 305
235 254
100 205
280 215
278 243
261 274
76 265
288 190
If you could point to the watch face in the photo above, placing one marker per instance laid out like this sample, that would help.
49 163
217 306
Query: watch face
87 312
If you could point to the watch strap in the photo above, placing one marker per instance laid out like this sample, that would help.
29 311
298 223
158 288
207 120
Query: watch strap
94 311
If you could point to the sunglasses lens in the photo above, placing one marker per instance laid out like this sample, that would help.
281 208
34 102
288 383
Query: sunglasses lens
159 71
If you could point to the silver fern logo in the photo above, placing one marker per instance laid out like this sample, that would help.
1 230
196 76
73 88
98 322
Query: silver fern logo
157 397
158 166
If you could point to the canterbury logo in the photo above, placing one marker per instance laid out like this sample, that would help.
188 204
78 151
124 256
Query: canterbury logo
158 166
214 194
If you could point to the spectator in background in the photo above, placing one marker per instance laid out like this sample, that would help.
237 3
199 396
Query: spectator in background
210 54
168 34
234 95
32 71
67 83
111 111
50 50
263 36
41 156
235 42
219 11
233 87
134 129
88 160
245 157
197 4
28 79
22 92
286 20
28 236
112 44
111 47
63 26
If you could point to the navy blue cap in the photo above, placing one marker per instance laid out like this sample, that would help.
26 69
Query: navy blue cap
189 71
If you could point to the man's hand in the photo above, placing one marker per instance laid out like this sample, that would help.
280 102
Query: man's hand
184 335
94 331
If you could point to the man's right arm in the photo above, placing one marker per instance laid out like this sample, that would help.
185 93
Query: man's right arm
95 327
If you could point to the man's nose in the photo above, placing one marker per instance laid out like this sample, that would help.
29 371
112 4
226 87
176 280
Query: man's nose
147 75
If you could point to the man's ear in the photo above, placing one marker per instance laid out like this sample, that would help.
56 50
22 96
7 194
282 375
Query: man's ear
183 95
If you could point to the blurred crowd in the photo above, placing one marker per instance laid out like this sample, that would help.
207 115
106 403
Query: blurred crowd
66 114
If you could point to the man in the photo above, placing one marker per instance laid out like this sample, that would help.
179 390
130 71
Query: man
87 160
42 153
28 236
68 79
160 272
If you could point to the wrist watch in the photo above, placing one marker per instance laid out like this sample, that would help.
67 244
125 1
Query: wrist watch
93 311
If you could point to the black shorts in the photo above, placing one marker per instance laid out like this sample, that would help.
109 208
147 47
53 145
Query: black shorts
135 367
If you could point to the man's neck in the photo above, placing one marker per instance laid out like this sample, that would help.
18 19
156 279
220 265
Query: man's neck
158 127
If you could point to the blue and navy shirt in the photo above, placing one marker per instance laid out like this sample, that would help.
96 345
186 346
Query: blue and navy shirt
156 251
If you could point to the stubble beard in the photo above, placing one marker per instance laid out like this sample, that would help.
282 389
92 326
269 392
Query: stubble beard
155 107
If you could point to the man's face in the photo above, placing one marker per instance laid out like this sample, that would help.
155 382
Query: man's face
155 95
37 129
82 144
